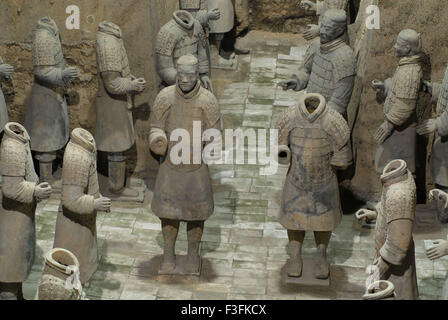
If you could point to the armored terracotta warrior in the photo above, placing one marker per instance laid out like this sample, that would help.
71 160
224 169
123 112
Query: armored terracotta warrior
181 36
20 194
199 10
396 137
314 140
60 278
47 117
218 28
6 72
320 7
114 103
395 258
183 189
330 67
439 125
81 199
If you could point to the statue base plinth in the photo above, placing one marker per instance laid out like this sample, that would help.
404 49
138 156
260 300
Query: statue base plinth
180 269
307 279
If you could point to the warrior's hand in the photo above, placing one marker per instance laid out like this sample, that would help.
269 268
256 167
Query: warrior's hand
438 195
308 5
207 83
138 85
367 215
69 74
382 265
440 249
427 86
159 145
289 84
312 32
214 14
6 70
383 132
378 85
102 204
427 127
42 191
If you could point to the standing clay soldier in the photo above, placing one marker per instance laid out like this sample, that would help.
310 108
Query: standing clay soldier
182 35
315 140
397 137
47 117
330 67
20 192
320 7
6 72
183 191
81 199
395 257
199 10
218 29
439 125
114 103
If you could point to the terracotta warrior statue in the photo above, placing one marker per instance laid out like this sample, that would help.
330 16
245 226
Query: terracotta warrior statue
60 278
47 117
330 67
396 137
394 244
114 103
439 125
320 7
181 36
20 194
199 10
314 140
81 199
218 29
183 190
6 72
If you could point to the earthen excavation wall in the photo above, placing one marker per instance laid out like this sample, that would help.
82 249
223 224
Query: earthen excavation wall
140 21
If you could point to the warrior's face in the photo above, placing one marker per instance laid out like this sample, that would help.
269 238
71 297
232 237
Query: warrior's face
330 30
187 77
402 48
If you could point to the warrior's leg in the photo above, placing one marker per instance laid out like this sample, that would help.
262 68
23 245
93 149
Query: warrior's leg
170 228
295 264
321 267
117 176
11 291
46 166
194 236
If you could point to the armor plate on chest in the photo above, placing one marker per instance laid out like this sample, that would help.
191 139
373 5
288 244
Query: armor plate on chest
311 155
187 45
189 4
442 103
111 55
321 78
47 50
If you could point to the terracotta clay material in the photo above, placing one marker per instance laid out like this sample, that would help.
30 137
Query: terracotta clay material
81 199
183 191
318 139
397 137
20 193
5 73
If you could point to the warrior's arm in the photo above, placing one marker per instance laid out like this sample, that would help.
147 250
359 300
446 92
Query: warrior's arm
74 199
398 241
202 17
204 68
436 89
49 74
18 189
166 69
401 111
342 94
442 124
303 75
115 84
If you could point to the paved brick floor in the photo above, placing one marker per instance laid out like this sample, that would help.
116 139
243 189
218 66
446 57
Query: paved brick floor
244 247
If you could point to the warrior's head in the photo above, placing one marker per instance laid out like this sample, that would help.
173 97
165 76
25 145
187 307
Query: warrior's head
409 43
333 25
187 72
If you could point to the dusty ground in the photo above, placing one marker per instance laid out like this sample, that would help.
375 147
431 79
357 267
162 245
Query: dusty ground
244 248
